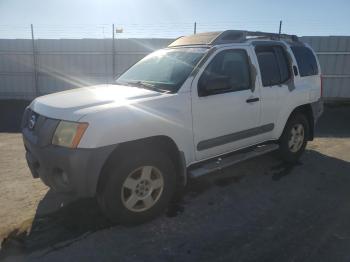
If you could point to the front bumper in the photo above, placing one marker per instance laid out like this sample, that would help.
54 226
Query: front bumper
67 170
63 169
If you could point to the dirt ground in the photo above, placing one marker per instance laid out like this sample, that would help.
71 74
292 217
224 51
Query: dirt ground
259 210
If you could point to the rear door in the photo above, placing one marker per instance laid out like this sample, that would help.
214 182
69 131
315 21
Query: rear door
309 73
276 83
225 119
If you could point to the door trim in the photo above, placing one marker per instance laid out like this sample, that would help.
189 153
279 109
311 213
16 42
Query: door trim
221 140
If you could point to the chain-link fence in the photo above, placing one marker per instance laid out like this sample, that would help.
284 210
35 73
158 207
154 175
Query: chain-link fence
50 59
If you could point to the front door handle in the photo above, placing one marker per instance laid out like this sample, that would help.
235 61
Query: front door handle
252 100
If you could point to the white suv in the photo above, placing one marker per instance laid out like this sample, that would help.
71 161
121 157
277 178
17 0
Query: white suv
206 102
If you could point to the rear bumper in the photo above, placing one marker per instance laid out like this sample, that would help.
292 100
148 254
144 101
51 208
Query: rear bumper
67 170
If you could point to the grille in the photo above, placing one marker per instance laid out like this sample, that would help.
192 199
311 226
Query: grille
41 131
32 120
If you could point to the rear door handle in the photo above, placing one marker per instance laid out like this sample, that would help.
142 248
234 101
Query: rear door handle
252 100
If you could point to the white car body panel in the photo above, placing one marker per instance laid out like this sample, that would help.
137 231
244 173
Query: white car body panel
118 114
167 115
223 114
73 104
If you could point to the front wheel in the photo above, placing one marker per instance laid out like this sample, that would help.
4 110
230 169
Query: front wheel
138 187
294 138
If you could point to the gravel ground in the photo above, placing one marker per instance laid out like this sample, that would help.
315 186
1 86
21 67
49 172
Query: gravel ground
259 210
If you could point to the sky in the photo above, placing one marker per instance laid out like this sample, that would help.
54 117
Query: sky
166 18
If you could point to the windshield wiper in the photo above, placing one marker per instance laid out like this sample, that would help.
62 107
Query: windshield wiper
147 85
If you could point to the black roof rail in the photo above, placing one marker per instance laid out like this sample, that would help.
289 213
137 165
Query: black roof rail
273 36
229 36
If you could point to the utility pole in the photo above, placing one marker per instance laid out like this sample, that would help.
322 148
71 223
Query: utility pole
195 28
280 29
113 51
36 88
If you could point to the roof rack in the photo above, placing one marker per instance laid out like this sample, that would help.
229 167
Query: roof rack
229 36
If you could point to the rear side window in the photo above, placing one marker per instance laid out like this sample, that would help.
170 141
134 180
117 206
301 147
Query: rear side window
282 63
306 60
274 65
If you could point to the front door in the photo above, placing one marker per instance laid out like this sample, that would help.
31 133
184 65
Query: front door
225 104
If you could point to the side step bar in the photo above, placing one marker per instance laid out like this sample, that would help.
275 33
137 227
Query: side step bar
229 160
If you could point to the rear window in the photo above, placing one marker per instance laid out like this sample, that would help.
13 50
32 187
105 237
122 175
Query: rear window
306 60
283 63
274 65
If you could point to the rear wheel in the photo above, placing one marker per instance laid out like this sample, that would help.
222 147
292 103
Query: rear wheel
294 138
138 188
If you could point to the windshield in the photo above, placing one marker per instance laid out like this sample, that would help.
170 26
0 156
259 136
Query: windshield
163 70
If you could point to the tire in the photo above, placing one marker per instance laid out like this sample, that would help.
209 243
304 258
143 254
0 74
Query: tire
132 184
291 145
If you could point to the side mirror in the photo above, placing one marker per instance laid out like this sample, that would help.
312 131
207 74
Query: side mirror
213 86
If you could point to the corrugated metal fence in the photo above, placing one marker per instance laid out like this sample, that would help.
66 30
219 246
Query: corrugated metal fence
30 68
48 66
334 56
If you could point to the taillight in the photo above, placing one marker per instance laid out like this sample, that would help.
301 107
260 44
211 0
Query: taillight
321 78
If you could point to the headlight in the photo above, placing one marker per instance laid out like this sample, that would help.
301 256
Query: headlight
68 134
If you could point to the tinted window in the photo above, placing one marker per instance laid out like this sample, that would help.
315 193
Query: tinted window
232 65
274 65
165 69
283 63
268 67
306 60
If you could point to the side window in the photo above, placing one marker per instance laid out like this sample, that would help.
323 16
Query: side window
229 71
306 60
274 65
283 63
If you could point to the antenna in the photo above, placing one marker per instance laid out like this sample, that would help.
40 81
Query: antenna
280 29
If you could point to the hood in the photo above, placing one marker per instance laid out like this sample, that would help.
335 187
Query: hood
74 104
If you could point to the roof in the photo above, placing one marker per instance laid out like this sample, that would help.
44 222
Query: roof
227 37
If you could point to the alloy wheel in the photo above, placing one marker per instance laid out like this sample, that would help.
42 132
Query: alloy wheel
142 188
